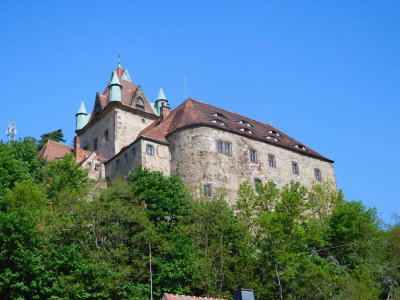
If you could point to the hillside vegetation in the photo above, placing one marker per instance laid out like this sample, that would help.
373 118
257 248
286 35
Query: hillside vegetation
61 238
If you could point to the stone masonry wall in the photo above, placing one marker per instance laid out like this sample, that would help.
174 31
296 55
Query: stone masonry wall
159 161
194 156
105 148
127 127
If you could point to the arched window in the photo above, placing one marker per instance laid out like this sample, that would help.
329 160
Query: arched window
139 103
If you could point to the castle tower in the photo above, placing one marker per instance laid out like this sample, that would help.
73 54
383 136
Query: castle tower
81 117
115 88
161 101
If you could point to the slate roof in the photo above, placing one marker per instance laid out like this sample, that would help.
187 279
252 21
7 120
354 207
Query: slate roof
196 113
54 150
129 89
184 297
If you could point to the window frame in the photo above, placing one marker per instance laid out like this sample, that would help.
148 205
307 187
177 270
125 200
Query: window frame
207 190
106 135
295 168
148 147
224 148
125 158
317 174
253 155
95 144
141 101
271 160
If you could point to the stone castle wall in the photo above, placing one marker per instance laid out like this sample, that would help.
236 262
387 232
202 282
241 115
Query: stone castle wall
194 156
105 148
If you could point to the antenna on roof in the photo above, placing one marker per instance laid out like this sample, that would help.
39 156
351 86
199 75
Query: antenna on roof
11 131
186 94
270 114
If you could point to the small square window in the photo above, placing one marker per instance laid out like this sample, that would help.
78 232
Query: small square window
106 136
150 149
271 161
207 190
253 156
86 147
133 153
224 148
295 168
125 158
97 167
95 144
317 173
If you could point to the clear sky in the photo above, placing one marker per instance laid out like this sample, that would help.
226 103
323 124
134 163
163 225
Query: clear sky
325 72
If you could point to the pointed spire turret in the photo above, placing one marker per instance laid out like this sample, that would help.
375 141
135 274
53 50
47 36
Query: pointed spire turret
115 88
81 117
161 101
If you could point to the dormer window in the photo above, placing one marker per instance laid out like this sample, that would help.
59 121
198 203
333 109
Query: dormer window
246 130
245 123
219 122
271 138
274 132
139 103
217 114
299 146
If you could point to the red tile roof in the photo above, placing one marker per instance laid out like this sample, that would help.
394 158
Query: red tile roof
183 297
54 150
196 113
129 89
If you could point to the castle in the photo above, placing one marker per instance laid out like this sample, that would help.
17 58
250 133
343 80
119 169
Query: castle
207 146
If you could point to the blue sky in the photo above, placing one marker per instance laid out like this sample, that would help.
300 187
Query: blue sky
325 72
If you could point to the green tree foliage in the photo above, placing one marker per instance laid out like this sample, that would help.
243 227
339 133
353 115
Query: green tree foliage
65 175
56 136
61 237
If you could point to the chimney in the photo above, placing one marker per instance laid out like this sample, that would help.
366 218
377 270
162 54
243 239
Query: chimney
243 294
77 146
164 112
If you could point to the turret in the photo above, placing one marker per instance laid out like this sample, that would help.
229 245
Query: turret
161 101
81 117
115 88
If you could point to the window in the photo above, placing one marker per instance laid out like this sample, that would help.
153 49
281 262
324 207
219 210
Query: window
271 161
245 123
97 166
274 132
133 153
207 190
299 146
257 183
86 147
317 173
219 115
95 144
89 164
117 165
150 149
295 168
106 136
139 103
253 156
224 148
271 138
219 122
125 158
246 130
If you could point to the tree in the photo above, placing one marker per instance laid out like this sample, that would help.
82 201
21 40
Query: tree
56 136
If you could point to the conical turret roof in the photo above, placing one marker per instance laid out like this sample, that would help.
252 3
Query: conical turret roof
114 79
82 109
161 95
